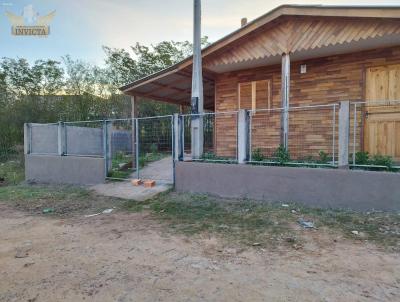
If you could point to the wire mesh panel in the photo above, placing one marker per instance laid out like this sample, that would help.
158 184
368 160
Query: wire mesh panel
155 148
84 138
312 135
265 133
44 138
122 148
220 135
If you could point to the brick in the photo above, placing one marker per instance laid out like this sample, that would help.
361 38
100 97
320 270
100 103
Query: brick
149 183
136 182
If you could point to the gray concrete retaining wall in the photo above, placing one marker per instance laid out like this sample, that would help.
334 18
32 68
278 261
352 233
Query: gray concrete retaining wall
323 188
64 169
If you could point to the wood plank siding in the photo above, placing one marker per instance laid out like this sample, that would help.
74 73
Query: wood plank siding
327 80
291 34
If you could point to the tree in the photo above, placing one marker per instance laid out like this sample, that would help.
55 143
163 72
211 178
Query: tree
51 76
145 60
80 76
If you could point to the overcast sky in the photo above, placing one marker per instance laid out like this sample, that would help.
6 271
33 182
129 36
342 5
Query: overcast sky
81 27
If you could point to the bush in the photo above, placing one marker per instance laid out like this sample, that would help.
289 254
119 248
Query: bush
362 158
153 148
282 155
257 155
323 157
382 160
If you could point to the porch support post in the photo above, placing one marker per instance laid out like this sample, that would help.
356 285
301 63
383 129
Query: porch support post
134 114
285 93
243 136
344 132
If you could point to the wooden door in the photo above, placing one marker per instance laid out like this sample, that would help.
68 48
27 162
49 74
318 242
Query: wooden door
382 121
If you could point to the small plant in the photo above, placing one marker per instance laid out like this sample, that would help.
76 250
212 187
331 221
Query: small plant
257 155
382 160
153 148
362 158
323 157
282 154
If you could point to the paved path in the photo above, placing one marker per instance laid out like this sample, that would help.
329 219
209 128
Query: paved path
160 171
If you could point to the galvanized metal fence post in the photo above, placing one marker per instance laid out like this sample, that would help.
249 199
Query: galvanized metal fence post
107 147
176 138
334 135
354 133
344 126
137 147
242 138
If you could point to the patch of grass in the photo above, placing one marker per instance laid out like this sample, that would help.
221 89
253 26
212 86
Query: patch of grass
379 227
247 222
268 224
63 200
12 171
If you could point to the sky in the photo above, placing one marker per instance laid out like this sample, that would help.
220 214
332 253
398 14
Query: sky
81 27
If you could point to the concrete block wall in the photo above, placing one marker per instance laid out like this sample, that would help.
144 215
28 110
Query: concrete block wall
314 187
73 170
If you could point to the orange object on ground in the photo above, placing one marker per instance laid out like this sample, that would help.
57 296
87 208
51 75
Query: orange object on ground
136 182
149 183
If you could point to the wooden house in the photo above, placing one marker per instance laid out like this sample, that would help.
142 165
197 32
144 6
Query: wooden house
300 56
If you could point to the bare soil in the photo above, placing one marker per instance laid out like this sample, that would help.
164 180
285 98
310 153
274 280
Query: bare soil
131 257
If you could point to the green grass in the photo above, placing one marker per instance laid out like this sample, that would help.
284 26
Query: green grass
12 171
63 200
246 223
250 222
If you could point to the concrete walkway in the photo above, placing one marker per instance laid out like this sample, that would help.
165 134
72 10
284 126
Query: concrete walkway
160 171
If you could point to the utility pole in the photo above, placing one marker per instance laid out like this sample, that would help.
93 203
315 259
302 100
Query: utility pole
197 86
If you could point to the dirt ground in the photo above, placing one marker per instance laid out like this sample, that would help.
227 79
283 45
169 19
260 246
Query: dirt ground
131 257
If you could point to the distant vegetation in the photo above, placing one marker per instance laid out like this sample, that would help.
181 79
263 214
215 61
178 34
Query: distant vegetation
69 89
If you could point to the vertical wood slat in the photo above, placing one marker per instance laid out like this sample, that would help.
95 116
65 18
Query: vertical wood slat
328 80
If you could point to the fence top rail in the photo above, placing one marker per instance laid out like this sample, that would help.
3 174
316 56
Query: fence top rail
209 113
42 124
154 117
197 114
296 108
377 102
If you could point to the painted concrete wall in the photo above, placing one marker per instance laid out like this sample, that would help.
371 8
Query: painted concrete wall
44 139
323 188
84 141
64 169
